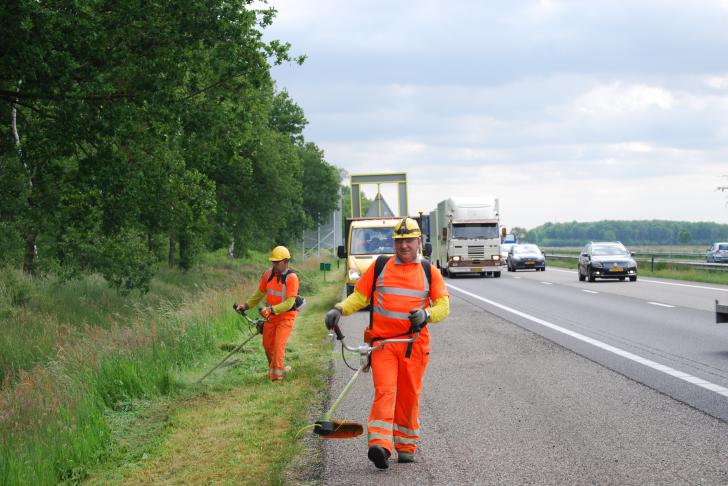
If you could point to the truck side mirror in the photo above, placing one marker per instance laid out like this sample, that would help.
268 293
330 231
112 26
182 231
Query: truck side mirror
444 233
427 250
341 251
504 231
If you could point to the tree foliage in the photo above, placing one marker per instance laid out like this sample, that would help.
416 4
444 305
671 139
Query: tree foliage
134 132
650 232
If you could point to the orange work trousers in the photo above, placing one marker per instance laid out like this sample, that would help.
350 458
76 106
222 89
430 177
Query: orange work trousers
275 337
394 417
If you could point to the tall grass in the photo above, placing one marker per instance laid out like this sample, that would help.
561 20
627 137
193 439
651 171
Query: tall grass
71 350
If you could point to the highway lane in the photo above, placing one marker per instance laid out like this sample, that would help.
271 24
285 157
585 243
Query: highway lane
505 406
665 335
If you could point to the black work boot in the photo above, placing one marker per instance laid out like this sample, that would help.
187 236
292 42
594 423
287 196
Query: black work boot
379 456
405 457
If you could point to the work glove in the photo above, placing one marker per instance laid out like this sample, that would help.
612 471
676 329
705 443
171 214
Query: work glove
266 312
418 319
332 318
241 307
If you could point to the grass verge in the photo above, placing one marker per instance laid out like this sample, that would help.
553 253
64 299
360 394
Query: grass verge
235 428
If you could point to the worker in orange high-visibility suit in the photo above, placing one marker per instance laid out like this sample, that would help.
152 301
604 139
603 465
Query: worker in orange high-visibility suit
403 303
279 287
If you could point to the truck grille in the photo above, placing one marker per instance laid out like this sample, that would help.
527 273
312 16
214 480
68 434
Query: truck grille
476 252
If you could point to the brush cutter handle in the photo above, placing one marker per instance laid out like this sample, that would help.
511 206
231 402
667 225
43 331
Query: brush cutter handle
339 334
256 322
365 349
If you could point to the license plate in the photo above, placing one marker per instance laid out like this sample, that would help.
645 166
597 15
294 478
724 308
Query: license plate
616 269
530 263
477 269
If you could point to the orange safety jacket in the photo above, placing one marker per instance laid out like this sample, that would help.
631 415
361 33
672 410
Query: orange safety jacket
400 288
278 288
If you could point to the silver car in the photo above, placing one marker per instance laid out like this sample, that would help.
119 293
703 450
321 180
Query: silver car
718 253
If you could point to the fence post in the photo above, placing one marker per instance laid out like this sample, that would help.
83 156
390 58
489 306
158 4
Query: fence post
653 263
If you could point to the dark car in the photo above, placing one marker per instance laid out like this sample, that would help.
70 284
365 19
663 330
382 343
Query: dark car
606 260
525 256
718 253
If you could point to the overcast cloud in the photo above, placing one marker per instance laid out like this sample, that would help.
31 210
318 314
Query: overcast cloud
565 110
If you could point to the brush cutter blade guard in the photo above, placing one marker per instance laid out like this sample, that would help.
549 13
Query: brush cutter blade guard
334 429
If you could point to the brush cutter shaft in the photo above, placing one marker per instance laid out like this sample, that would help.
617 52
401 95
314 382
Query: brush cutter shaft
364 349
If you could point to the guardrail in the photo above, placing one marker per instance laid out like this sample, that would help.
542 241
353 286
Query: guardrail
721 267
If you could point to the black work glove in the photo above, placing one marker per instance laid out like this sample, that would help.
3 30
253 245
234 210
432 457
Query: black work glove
332 318
418 319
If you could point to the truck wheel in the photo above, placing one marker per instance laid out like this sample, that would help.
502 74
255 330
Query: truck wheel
496 274
633 278
581 277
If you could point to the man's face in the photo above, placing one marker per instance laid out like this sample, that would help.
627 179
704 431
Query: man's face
406 248
280 266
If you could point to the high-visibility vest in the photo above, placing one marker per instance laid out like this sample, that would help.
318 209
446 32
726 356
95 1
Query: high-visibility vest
275 291
398 289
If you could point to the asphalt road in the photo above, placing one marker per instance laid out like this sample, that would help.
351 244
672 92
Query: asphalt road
670 324
508 400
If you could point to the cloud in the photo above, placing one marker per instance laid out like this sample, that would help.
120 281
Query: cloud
566 109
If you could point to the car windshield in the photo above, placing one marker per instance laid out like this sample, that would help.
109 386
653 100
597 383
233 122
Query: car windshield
368 241
526 249
474 230
609 250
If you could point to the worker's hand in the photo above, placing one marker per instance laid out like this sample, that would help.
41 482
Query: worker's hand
332 318
418 319
241 307
266 312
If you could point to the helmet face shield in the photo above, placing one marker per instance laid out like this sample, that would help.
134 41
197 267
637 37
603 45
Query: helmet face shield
407 228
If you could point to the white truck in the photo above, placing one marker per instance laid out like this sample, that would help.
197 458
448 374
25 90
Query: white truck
465 236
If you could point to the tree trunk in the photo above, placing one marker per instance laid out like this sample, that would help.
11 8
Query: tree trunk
172 251
231 252
29 258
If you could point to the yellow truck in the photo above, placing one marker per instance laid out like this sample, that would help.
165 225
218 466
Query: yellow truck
365 240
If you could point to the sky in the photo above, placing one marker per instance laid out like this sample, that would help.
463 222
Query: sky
564 110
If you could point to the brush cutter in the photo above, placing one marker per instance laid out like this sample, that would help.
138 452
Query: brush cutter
256 324
328 428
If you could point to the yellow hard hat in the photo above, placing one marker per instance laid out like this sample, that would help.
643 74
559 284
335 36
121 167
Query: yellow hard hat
407 228
279 253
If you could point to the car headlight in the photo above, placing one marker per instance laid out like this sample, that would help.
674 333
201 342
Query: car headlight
597 264
495 257
354 274
456 258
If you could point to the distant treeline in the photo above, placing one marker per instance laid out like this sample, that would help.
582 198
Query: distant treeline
147 133
649 232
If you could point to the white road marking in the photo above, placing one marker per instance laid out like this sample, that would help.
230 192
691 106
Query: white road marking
589 291
547 283
655 281
516 277
684 285
661 305
607 347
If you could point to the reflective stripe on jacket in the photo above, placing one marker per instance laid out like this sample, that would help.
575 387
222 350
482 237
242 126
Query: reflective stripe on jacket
277 290
400 288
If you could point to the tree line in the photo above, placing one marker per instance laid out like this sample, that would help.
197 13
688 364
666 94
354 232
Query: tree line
138 132
646 232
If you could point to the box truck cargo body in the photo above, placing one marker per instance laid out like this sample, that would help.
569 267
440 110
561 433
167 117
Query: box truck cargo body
465 236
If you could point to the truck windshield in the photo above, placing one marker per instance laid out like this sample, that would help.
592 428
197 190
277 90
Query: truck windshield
372 241
474 231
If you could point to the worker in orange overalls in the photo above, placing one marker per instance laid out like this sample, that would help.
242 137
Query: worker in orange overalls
279 287
403 302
